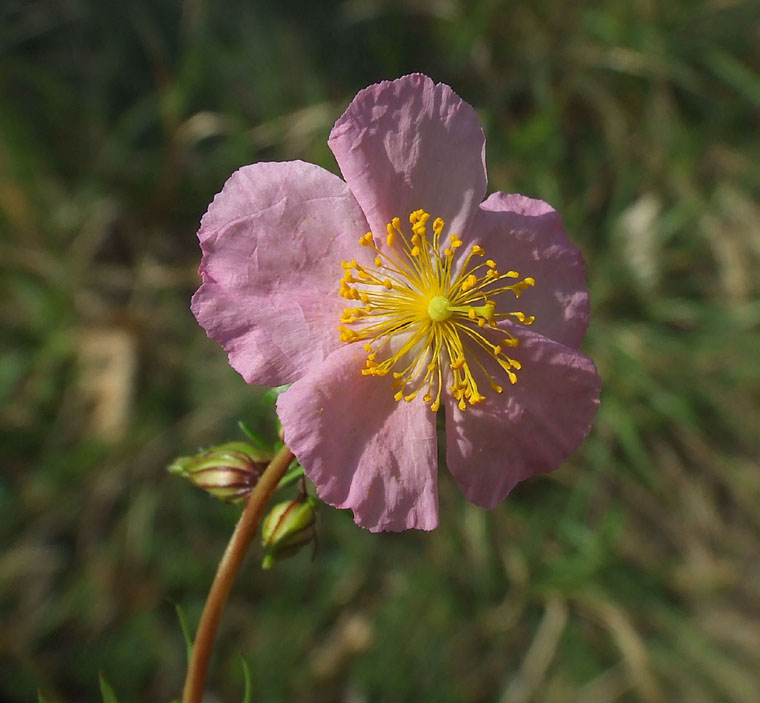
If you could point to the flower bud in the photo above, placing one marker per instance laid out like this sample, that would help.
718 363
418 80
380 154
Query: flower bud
288 527
227 471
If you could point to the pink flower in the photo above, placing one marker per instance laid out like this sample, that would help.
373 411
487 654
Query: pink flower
395 292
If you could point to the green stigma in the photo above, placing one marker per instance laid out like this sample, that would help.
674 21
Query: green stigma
439 308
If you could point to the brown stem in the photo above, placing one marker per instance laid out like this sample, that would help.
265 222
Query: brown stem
226 571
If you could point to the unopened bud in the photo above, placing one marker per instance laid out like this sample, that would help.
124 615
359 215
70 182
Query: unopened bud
288 527
227 471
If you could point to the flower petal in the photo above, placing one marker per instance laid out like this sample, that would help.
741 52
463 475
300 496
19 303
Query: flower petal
362 449
532 427
527 236
272 243
408 144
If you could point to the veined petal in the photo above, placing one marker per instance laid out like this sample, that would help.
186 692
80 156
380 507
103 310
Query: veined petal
527 235
532 427
272 243
408 144
362 449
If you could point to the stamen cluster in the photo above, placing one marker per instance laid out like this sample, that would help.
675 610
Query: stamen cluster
417 317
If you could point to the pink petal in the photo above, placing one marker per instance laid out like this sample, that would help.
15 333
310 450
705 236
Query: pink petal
362 449
527 236
272 243
409 144
532 427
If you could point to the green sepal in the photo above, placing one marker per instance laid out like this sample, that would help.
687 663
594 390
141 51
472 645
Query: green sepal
257 440
291 477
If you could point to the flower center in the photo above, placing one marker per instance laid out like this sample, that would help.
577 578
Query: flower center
420 320
439 308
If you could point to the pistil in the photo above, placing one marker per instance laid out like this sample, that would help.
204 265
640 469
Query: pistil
439 308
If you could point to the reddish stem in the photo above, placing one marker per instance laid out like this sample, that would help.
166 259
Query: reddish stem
226 572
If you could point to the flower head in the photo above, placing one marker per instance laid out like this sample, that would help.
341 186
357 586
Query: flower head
397 293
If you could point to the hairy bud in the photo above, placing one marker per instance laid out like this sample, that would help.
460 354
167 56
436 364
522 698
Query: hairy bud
227 471
287 528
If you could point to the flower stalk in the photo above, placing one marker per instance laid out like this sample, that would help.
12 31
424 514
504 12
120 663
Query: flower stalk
226 572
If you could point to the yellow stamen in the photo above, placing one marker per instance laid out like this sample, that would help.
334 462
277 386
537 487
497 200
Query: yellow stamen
441 323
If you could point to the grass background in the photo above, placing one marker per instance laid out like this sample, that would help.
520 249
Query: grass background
632 574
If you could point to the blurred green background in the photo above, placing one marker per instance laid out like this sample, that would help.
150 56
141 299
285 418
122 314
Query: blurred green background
632 574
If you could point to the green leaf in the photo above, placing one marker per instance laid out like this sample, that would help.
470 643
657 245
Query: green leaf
41 698
736 74
185 630
248 692
106 690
